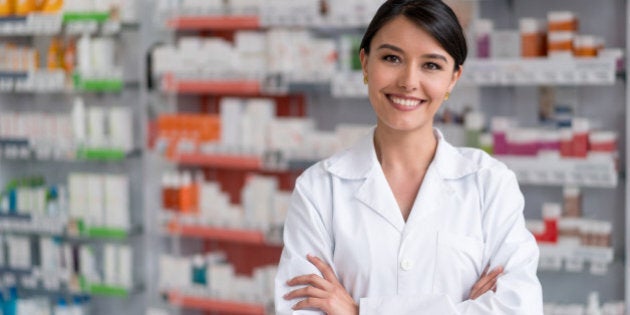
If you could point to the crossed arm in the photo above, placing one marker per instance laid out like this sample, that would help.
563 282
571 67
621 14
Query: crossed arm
328 295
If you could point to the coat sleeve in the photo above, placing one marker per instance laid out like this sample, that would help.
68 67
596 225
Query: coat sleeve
508 244
304 233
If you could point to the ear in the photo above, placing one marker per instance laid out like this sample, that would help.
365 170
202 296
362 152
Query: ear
364 59
456 75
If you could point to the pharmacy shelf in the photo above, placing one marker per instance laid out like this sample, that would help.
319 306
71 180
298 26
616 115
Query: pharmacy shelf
13 75
24 223
13 142
108 233
555 257
32 24
240 162
214 305
597 171
14 216
99 17
36 81
537 71
20 150
217 86
113 83
214 22
24 291
175 228
29 224
89 290
109 290
54 81
104 154
15 271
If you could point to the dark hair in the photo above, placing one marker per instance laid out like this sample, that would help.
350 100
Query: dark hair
433 16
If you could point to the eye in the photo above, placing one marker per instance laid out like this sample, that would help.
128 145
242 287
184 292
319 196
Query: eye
432 66
391 58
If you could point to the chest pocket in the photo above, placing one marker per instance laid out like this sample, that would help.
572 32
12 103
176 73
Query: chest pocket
458 264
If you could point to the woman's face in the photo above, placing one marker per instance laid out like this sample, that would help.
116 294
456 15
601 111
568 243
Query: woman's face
409 75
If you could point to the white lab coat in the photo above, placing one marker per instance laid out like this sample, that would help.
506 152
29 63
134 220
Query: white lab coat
467 214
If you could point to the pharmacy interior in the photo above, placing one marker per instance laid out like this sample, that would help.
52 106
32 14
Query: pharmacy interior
148 148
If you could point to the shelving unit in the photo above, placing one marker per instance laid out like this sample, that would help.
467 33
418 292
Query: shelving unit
508 88
52 92
349 95
245 249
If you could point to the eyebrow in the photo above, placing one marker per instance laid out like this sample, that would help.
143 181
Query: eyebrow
398 49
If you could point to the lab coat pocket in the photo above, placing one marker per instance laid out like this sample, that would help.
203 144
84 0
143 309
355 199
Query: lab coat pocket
458 264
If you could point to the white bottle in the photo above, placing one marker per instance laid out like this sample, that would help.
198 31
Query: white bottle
79 122
593 308
84 52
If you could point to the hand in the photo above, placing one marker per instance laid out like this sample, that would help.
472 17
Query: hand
326 293
487 282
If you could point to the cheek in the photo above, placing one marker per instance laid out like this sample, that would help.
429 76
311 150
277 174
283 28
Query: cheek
436 88
380 74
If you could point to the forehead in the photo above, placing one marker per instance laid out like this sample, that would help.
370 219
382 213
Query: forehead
406 35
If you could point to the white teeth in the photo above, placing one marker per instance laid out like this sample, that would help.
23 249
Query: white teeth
405 102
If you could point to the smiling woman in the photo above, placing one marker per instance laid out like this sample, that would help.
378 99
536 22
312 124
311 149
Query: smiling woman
402 222
409 75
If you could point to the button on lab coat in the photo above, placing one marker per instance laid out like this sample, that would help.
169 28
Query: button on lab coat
467 214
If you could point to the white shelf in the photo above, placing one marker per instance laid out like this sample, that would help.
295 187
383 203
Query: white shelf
34 224
32 24
574 258
536 71
37 81
597 171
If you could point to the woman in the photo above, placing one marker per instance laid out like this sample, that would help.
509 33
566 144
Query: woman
403 222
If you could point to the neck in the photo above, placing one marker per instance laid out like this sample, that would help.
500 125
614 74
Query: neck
409 151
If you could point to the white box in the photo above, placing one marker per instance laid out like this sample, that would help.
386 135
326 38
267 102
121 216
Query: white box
95 213
116 201
505 44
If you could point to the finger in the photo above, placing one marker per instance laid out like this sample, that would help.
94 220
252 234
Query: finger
323 267
488 277
495 272
312 280
485 271
486 284
305 292
494 288
310 303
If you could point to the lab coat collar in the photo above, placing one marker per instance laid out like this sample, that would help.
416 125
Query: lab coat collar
450 163
357 161
360 162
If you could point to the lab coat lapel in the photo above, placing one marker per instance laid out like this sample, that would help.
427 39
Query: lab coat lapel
436 192
377 195
431 197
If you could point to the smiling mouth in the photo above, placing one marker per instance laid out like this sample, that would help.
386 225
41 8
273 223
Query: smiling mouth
405 102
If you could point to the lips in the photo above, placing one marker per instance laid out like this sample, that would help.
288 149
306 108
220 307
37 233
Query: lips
404 102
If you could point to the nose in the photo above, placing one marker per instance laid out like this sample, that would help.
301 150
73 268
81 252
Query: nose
409 78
